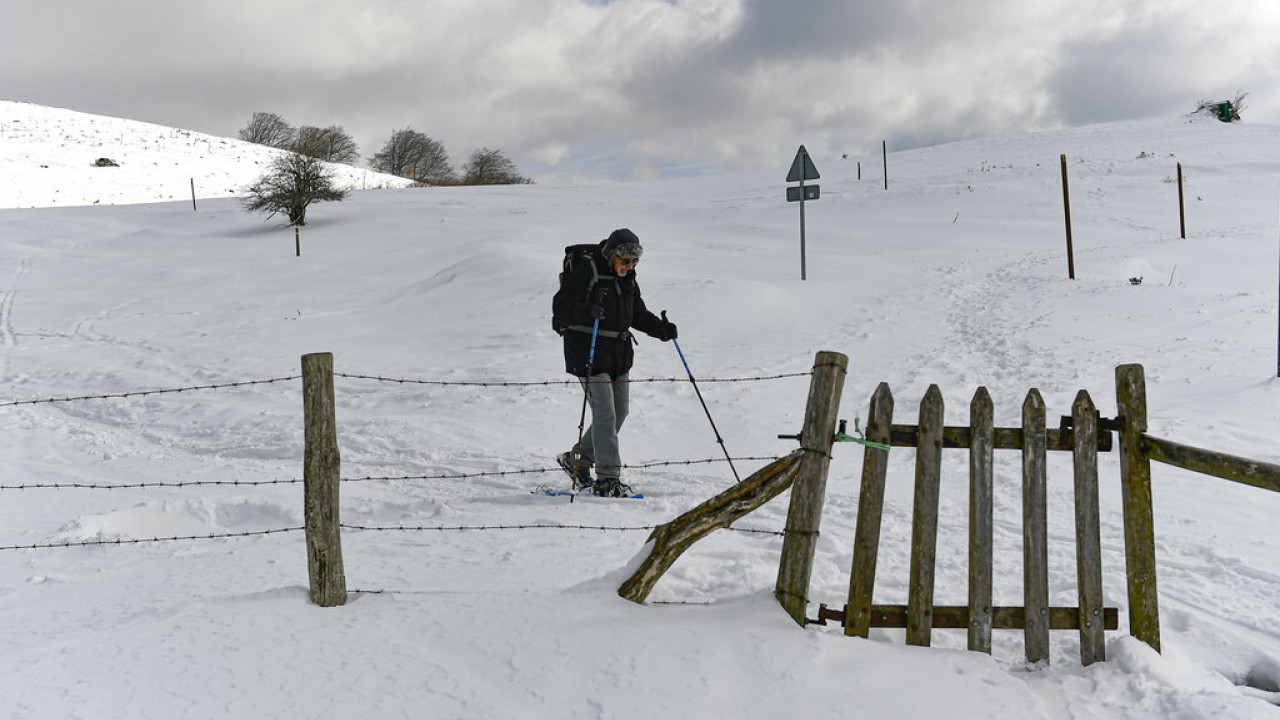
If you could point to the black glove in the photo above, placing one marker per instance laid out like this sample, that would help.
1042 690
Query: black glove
668 331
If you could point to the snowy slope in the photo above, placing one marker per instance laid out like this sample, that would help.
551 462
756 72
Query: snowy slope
47 158
498 603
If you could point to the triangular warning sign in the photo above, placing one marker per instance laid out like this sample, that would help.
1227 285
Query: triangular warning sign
802 168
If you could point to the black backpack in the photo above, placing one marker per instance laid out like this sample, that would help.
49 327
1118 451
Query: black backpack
573 256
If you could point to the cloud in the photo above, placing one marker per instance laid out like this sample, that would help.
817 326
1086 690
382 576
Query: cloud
630 87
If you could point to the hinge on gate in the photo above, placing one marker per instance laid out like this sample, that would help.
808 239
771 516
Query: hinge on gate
1115 424
825 614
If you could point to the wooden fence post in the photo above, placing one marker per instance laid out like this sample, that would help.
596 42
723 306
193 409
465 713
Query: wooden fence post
1084 421
1035 533
866 541
884 150
1182 208
1066 204
1139 522
924 523
321 472
804 516
981 553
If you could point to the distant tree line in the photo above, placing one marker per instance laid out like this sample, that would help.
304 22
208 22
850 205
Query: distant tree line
407 153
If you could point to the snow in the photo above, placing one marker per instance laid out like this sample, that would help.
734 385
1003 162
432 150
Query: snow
494 602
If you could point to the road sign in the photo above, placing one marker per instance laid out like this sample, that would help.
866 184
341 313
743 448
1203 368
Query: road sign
802 168
802 192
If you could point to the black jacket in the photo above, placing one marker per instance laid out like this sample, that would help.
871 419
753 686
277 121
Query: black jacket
624 309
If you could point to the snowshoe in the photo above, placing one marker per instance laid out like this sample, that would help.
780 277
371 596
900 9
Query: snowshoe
611 487
583 480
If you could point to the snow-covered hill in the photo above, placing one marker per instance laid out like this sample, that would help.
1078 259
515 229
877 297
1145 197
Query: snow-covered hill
48 156
497 603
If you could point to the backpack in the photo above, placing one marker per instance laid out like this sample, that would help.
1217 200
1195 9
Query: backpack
573 256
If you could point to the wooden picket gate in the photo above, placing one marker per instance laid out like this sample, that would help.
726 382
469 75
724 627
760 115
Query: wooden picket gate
1084 434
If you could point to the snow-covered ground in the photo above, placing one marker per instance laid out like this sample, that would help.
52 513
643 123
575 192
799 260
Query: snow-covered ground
48 156
497 603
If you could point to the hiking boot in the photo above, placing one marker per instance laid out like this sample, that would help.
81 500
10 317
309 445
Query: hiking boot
611 487
566 461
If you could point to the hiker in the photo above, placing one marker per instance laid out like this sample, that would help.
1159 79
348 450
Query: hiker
599 293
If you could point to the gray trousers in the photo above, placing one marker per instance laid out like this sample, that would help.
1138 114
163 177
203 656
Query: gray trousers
609 405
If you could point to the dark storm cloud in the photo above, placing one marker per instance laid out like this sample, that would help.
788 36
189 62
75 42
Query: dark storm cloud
569 86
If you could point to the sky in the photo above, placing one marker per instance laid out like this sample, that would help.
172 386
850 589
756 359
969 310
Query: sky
577 90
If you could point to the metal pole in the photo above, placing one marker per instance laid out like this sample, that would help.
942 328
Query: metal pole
714 429
802 268
586 393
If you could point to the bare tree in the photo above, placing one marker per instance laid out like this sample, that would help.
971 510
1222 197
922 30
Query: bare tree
491 167
412 154
268 129
331 144
292 183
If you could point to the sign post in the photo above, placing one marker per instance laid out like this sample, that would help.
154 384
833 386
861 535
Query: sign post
802 168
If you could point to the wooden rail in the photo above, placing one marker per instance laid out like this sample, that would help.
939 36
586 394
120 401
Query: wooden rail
1220 465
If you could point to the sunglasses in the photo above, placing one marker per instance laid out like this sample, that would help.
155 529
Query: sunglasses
627 261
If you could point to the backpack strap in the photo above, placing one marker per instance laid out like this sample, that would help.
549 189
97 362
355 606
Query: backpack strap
611 334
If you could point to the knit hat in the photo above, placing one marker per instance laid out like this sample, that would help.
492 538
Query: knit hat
622 242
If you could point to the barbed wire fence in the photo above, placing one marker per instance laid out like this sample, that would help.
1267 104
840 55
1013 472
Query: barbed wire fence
239 483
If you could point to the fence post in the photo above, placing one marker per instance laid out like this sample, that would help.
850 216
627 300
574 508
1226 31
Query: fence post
321 472
809 491
924 523
1084 421
884 150
1035 533
981 462
1139 523
1182 208
1066 205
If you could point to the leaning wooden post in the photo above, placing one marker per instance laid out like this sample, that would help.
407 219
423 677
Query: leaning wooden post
1035 528
809 491
1139 521
321 471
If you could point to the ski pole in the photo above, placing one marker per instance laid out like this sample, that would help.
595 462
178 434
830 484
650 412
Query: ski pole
582 418
704 404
